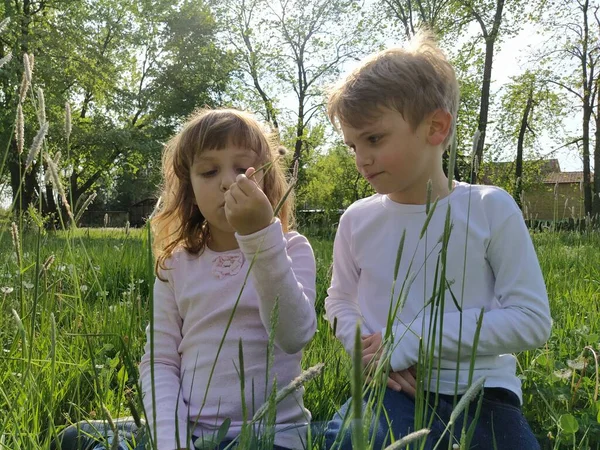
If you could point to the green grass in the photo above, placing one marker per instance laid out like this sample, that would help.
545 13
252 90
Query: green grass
81 340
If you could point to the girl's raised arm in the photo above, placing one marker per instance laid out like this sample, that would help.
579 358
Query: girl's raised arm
283 270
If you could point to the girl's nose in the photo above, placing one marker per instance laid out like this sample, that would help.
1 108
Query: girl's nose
227 180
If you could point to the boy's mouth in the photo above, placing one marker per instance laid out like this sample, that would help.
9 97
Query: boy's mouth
370 176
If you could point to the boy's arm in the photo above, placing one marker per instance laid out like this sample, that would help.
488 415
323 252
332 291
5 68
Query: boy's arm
521 322
342 301
171 412
284 271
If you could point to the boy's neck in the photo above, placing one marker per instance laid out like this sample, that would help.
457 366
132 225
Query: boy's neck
417 193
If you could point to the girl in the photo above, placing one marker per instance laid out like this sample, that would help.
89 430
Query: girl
217 218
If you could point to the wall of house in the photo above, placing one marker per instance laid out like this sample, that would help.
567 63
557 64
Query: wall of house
542 204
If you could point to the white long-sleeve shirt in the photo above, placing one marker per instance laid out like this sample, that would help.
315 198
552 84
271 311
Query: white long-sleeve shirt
489 244
191 310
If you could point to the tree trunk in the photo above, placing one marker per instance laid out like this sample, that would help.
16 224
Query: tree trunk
596 193
520 142
587 186
299 134
490 41
485 103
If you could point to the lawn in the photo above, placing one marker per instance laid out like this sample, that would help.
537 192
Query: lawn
75 307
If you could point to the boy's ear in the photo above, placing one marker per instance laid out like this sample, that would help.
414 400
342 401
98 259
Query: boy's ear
440 124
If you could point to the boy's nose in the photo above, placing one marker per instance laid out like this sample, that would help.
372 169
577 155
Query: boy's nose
363 160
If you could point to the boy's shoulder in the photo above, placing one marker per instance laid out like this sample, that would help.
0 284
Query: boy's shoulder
493 200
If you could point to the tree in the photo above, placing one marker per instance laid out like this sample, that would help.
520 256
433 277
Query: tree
294 47
131 73
527 104
489 18
578 44
332 181
414 14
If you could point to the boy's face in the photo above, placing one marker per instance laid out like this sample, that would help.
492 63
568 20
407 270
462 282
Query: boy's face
395 159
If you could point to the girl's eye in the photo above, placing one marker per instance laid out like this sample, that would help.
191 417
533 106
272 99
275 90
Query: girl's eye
374 139
242 170
208 173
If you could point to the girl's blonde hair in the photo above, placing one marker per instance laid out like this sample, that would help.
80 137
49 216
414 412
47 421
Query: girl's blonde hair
178 221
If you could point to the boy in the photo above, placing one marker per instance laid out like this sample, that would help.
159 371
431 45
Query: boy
397 112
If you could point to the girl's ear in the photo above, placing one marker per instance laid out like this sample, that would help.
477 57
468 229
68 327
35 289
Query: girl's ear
440 123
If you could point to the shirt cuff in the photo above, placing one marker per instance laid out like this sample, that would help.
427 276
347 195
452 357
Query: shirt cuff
262 240
405 351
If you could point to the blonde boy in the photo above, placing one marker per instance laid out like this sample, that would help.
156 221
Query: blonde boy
397 112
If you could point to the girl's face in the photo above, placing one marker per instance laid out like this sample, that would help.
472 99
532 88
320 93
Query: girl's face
211 174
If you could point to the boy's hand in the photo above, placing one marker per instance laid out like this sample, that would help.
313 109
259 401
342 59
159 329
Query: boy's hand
247 208
403 380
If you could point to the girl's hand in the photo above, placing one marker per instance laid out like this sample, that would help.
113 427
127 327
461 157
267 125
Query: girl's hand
247 208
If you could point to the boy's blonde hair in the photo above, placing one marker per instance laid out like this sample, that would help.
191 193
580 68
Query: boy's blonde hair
414 81
179 222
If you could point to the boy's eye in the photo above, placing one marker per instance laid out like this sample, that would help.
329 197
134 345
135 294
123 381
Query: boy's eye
374 138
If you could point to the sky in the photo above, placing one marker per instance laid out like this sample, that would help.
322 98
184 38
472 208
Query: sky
511 60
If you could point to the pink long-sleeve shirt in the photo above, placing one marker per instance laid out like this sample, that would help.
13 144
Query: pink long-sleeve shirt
191 311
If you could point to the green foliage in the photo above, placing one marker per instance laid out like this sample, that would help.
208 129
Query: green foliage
332 181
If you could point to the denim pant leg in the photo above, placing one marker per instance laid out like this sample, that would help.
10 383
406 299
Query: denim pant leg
500 426
398 409
97 435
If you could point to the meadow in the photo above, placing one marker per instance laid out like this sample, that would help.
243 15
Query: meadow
75 306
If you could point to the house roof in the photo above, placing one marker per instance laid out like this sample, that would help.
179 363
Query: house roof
564 177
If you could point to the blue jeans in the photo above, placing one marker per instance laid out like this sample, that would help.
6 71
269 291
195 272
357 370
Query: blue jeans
500 425
97 435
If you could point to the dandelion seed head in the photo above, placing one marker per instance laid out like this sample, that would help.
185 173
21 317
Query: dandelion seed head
563 374
28 285
576 364
6 290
